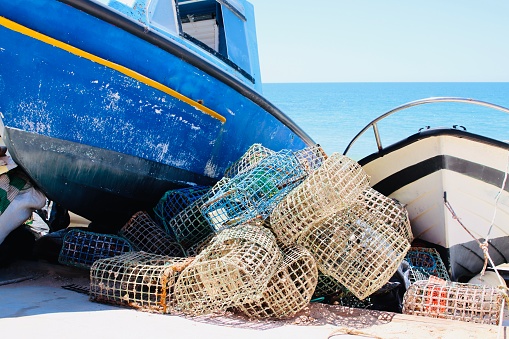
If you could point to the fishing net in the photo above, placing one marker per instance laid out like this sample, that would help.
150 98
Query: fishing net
145 235
290 288
425 262
174 201
330 290
232 270
254 193
249 160
82 248
139 280
311 158
354 247
189 226
387 210
438 298
335 185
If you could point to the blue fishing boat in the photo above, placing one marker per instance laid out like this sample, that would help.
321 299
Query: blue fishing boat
107 104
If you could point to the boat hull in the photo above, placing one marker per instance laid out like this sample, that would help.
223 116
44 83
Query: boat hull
466 171
105 121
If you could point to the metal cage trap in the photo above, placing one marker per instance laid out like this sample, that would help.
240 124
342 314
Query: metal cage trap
82 248
140 280
425 262
145 235
438 298
174 201
254 192
290 288
336 184
356 248
232 270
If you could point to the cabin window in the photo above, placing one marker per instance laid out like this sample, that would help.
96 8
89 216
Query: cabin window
163 15
202 23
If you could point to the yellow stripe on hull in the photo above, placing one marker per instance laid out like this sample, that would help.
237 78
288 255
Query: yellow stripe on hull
122 69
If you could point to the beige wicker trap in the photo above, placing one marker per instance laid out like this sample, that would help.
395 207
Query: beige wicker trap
438 298
232 270
140 280
354 247
335 185
145 235
387 210
290 289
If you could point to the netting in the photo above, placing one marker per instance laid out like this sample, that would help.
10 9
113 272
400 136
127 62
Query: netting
457 301
145 235
82 248
139 280
255 192
337 294
311 158
425 262
387 210
174 201
233 269
290 288
189 226
354 247
248 160
335 185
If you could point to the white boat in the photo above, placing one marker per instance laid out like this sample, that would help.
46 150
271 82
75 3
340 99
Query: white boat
454 185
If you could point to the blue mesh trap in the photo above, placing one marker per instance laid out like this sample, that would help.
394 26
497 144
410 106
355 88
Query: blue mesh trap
82 248
254 193
426 261
145 235
175 201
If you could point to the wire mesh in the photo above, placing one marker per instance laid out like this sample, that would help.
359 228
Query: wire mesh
145 235
174 201
425 262
456 301
290 288
82 248
387 210
311 158
337 294
189 226
255 192
140 280
354 247
336 184
248 160
233 269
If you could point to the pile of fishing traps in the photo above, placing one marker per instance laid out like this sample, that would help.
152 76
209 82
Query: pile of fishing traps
257 240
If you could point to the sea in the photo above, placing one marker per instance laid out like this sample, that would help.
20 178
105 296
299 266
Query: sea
333 113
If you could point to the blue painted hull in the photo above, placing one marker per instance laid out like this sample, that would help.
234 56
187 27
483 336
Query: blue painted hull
103 142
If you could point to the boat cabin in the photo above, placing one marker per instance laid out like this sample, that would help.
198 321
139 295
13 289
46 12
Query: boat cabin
221 31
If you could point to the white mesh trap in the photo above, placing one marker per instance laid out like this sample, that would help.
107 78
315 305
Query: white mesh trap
388 211
233 269
438 298
336 184
82 248
290 288
145 235
255 192
354 247
248 160
311 158
140 280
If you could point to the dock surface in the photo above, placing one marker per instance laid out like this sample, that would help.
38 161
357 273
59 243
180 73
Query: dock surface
33 303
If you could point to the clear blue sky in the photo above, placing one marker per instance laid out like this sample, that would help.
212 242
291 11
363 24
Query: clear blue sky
383 40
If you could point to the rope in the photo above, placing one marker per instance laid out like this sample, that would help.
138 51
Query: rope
346 330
